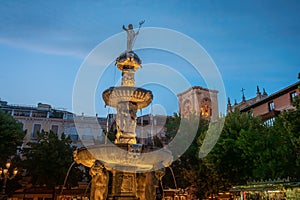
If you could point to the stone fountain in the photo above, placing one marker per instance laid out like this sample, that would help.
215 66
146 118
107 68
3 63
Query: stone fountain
125 170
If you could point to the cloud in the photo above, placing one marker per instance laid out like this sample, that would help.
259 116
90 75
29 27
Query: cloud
68 28
47 48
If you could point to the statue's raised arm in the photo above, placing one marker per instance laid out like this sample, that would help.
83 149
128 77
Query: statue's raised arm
131 35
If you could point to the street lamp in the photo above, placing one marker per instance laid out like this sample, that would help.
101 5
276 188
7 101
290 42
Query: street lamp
5 174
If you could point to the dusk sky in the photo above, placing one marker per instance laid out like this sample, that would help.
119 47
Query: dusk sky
44 43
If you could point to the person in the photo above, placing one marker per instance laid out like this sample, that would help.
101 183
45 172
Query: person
131 35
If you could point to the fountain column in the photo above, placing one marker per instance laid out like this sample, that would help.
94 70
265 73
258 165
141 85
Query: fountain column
127 99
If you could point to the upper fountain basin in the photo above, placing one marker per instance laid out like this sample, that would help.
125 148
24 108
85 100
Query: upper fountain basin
114 95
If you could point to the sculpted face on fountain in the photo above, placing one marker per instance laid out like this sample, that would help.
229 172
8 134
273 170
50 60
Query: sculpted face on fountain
84 157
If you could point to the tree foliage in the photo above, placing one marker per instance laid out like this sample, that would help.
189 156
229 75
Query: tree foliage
47 160
287 131
187 167
228 162
246 150
11 136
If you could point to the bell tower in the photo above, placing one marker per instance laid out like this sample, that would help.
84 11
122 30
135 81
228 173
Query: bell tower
199 101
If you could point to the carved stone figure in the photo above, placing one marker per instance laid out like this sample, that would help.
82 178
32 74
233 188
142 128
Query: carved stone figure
141 186
82 156
126 120
100 177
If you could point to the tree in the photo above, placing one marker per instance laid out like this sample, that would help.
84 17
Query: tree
275 152
246 150
249 150
172 125
11 136
47 160
233 155
188 168
287 130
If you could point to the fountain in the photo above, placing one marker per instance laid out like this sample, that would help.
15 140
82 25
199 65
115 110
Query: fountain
125 170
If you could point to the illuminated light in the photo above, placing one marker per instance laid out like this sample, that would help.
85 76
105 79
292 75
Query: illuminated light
271 191
205 110
7 165
15 171
5 171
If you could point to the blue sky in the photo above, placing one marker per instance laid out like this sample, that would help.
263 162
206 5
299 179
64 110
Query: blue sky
44 43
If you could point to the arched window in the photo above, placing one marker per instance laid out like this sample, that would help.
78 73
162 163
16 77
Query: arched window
205 109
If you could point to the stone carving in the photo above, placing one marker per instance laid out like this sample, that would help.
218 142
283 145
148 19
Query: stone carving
128 77
84 157
126 121
100 177
127 183
141 186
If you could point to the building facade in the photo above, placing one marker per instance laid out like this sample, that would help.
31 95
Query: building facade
268 106
199 101
246 102
82 130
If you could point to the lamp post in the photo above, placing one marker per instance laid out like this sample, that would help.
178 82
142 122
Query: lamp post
5 174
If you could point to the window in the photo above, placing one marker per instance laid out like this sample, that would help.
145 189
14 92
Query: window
270 122
293 95
271 106
36 129
54 129
145 122
205 111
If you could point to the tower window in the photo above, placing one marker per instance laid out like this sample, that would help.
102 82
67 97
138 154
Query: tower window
205 111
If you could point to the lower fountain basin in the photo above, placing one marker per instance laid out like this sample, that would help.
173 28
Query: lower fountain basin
120 158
